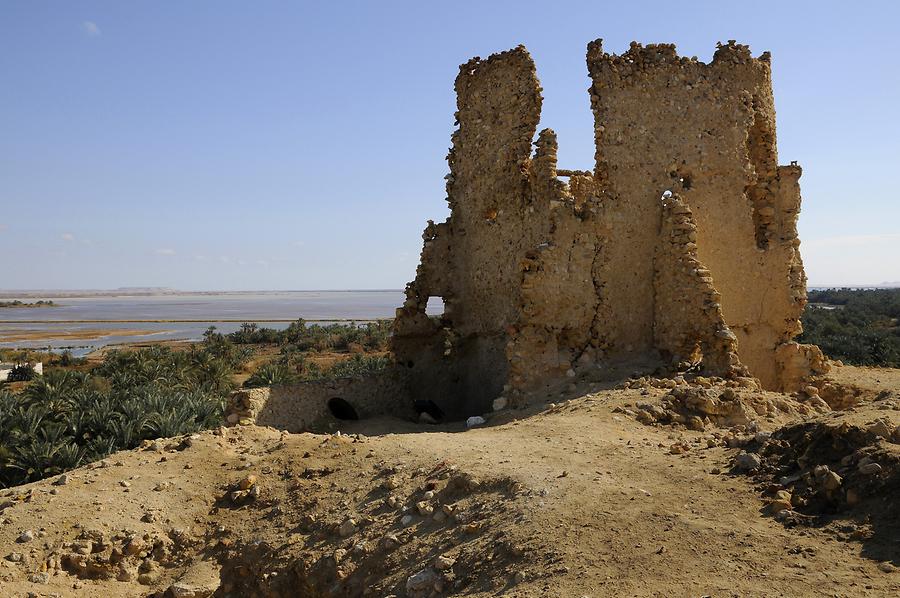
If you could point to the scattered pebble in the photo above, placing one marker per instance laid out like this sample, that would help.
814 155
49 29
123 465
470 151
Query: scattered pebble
347 528
422 580
747 461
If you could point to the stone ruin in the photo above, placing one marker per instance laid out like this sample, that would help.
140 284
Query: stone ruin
678 250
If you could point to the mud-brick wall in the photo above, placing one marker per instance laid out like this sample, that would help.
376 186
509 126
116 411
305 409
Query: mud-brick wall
305 406
473 261
666 122
544 280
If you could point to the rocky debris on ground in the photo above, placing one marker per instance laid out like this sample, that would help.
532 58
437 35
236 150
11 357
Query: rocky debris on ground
100 555
245 490
408 513
816 470
698 406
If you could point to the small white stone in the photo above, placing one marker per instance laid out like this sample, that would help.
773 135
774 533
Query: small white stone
475 420
422 580
442 563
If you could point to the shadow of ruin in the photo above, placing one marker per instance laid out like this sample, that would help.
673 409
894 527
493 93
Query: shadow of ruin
679 251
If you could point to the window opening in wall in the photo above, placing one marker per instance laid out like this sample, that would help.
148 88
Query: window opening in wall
435 306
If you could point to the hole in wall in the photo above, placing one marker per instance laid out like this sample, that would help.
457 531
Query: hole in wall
436 306
429 407
342 410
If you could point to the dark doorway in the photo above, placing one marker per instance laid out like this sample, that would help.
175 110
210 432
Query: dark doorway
429 407
341 409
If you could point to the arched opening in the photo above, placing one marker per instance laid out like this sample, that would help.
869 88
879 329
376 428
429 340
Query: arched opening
341 409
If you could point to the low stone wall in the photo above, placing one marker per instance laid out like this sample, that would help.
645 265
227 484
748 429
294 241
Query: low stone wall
311 406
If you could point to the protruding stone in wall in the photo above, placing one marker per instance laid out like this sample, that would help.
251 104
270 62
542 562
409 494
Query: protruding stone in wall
800 362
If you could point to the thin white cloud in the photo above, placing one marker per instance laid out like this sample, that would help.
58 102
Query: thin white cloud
90 28
165 251
200 258
67 237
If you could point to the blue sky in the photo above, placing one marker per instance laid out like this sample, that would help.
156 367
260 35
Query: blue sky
293 145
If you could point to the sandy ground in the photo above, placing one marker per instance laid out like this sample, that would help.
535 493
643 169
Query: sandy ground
570 499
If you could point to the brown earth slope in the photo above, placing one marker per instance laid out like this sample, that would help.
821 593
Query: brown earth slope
587 497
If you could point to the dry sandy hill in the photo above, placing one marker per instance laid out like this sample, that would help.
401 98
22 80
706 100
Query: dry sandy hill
638 490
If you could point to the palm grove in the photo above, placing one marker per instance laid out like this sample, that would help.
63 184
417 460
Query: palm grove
70 417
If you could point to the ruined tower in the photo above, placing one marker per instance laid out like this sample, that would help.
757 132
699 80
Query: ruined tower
679 248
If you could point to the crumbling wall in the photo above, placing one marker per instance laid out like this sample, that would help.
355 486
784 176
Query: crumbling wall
543 279
664 122
689 327
309 405
560 277
460 362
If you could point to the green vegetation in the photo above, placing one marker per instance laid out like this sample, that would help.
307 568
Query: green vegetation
66 418
64 359
17 303
22 372
81 411
299 340
358 365
272 374
293 366
372 336
857 326
70 417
